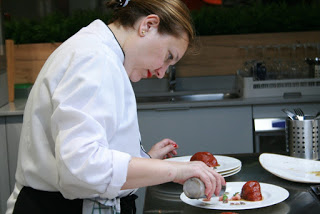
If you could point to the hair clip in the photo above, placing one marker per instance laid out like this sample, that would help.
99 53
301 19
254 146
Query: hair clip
123 3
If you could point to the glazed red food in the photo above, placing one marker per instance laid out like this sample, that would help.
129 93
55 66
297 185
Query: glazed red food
251 191
205 157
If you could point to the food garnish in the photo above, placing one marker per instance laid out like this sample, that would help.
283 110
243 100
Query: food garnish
236 196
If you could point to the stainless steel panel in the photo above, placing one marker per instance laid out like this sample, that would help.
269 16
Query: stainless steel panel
3 89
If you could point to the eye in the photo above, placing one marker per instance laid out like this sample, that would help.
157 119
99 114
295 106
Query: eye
170 56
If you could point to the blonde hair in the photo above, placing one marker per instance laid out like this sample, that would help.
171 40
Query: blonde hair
174 15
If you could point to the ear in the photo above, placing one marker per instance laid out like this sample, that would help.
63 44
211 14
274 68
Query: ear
150 22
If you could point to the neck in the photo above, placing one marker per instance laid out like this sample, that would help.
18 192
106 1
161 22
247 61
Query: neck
124 37
120 33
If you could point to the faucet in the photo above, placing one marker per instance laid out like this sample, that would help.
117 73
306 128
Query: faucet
172 78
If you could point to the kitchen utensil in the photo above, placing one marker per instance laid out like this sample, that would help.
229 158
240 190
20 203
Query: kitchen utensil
302 138
223 190
299 113
194 188
290 114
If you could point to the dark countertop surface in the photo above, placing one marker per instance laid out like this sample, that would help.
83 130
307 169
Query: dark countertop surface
165 198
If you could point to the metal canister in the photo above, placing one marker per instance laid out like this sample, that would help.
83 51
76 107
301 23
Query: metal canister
194 188
302 138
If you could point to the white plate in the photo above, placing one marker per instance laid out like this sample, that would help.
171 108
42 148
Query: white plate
291 168
271 195
231 173
226 163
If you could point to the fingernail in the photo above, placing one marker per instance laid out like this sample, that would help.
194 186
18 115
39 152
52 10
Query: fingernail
175 145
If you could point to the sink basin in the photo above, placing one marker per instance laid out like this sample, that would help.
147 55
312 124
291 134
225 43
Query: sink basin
186 97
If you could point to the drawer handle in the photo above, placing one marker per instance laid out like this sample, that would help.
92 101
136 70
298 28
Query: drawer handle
173 109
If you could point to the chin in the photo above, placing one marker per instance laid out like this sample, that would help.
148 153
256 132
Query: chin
135 79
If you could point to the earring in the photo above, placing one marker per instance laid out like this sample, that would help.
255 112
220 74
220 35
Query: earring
143 32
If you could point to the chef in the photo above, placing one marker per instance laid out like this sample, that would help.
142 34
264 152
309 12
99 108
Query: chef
80 148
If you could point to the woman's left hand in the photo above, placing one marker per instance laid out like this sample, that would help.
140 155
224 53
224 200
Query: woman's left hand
164 149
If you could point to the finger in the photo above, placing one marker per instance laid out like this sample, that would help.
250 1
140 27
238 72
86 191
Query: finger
218 184
174 152
169 141
223 181
210 186
176 145
209 181
215 185
165 151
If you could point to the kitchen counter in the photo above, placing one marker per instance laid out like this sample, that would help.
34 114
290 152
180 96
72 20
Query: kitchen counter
13 108
165 198
17 107
230 102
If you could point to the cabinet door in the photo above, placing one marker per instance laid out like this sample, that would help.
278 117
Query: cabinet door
13 128
220 130
4 169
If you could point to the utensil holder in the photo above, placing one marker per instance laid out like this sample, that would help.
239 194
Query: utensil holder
302 138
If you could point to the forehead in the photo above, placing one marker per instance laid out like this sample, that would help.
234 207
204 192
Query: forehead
179 43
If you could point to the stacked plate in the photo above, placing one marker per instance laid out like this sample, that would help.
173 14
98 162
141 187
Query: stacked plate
228 165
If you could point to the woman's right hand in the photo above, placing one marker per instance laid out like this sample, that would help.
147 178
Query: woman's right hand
211 179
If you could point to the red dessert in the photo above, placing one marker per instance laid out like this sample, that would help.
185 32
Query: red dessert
205 157
251 191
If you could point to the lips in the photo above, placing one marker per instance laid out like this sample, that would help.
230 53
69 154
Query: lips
149 74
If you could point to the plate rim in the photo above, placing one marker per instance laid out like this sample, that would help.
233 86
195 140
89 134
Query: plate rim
239 163
265 185
230 174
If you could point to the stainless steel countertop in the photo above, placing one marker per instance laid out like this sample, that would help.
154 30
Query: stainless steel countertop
17 107
230 102
13 108
165 198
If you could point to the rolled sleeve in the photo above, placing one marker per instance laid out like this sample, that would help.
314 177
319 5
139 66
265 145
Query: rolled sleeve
120 168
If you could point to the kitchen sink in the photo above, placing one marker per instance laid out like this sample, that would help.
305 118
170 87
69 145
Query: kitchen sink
186 97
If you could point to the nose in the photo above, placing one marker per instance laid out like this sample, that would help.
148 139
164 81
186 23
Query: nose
160 72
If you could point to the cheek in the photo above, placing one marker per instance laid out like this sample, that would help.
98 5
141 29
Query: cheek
156 59
156 53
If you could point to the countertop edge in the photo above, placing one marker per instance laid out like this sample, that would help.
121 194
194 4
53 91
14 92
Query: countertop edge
17 107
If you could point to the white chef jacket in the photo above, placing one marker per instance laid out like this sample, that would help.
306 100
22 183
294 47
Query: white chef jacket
80 125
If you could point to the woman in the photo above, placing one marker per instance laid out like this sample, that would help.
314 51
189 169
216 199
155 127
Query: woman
80 146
